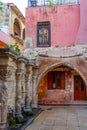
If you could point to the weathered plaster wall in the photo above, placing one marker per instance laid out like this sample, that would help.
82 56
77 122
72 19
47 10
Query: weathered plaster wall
13 39
74 57
64 22
82 34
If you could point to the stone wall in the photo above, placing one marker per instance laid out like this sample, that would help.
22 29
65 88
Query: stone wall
23 76
47 59
13 72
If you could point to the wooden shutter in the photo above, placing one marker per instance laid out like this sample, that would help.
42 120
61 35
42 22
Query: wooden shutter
50 80
62 80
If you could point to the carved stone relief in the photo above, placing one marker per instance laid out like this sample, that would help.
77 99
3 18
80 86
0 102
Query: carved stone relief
3 103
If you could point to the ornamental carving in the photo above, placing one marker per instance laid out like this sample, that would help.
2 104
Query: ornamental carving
3 74
4 97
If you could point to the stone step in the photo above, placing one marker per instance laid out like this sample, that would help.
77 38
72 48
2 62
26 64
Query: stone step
65 104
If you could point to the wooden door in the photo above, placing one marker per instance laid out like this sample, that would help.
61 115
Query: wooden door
79 88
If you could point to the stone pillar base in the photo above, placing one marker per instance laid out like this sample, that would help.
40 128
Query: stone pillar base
28 109
34 105
3 126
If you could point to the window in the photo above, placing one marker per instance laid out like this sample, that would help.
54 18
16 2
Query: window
56 80
43 34
17 29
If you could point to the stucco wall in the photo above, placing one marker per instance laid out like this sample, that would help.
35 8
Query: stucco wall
64 22
82 34
11 30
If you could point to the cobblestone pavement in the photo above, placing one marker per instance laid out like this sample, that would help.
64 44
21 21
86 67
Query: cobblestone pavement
61 118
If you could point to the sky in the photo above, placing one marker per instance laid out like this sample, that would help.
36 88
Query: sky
21 4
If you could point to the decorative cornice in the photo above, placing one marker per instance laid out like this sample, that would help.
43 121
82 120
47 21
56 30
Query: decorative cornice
22 59
17 11
7 51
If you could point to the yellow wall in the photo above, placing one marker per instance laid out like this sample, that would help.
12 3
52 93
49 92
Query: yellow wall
11 30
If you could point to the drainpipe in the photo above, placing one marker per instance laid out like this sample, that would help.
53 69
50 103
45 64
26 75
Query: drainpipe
82 33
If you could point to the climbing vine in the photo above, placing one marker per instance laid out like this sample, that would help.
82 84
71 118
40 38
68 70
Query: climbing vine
1 6
14 47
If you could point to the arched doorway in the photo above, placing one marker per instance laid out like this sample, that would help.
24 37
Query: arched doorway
61 84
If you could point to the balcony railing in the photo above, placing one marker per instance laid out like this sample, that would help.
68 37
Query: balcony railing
51 2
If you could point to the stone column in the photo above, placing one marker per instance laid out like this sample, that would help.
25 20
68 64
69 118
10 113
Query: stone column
18 96
23 87
34 88
28 80
11 81
3 97
20 78
7 78
3 104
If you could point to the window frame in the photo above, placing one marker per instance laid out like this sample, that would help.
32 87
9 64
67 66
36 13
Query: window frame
46 25
53 80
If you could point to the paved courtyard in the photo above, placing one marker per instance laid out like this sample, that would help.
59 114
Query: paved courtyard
61 118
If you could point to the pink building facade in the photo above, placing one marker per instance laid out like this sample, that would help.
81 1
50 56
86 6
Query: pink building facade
60 74
67 23
82 32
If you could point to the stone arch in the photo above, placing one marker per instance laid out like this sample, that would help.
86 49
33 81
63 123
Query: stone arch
47 64
17 28
51 67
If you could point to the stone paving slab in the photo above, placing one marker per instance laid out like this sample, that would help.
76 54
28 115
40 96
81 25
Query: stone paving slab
83 128
61 118
72 128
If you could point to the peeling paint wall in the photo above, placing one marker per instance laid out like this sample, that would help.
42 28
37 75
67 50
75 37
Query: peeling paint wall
64 21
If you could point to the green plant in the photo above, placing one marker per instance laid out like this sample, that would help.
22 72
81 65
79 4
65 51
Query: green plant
50 3
58 3
14 47
11 121
1 6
